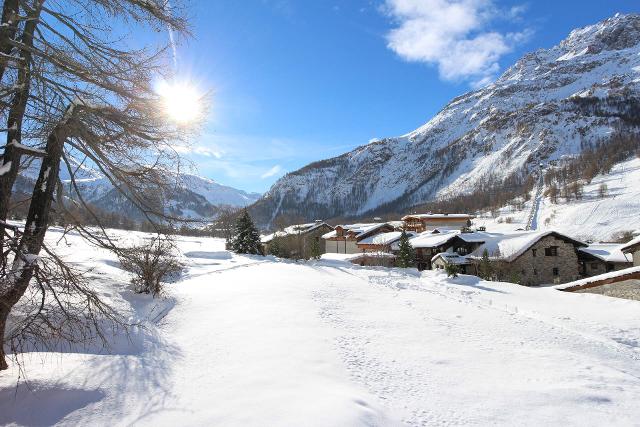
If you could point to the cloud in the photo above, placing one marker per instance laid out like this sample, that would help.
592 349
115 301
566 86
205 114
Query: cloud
271 172
454 35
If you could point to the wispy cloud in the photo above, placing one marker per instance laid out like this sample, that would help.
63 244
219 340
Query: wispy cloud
454 35
271 172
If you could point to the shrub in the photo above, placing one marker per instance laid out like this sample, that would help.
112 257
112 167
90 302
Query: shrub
452 270
151 264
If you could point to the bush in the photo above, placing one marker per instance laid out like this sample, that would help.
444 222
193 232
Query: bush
151 264
452 270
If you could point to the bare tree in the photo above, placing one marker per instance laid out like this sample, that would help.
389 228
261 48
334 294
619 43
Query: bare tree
71 97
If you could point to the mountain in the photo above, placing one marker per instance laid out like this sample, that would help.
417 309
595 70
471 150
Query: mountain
195 197
551 104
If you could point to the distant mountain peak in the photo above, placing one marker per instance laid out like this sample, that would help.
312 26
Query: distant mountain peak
550 104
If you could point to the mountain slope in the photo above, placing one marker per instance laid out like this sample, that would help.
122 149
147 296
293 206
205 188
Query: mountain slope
194 197
550 104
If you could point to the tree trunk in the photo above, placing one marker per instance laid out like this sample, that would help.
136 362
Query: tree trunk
35 228
8 31
14 123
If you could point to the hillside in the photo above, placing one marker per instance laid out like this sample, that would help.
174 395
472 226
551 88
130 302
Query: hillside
552 103
592 217
194 197
233 343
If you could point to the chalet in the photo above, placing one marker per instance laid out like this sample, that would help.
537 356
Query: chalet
419 223
633 248
531 258
441 260
296 241
381 242
344 239
427 244
600 258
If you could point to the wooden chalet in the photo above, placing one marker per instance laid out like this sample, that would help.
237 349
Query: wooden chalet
419 223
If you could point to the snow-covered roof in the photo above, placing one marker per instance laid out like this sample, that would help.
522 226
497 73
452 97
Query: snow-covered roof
293 229
510 246
631 245
437 216
607 252
452 258
429 239
359 230
601 277
382 238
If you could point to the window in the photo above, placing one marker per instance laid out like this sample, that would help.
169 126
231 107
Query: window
551 251
533 252
535 272
594 265
556 272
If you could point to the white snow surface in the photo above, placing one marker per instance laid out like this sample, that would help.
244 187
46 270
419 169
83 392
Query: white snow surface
592 218
608 252
255 341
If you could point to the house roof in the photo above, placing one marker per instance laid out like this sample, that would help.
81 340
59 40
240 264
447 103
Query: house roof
510 246
294 229
452 258
607 252
429 239
359 230
631 246
382 238
437 216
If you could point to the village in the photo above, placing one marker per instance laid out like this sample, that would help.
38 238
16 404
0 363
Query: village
450 242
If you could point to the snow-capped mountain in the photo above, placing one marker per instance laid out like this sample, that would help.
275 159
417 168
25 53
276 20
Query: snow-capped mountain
550 104
195 197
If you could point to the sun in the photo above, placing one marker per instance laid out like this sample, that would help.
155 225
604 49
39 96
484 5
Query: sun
182 102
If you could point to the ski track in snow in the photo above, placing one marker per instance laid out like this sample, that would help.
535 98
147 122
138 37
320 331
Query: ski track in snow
246 340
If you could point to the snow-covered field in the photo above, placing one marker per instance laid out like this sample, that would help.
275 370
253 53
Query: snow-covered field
591 218
255 341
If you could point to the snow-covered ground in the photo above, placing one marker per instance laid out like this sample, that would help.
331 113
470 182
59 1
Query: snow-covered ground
262 342
592 217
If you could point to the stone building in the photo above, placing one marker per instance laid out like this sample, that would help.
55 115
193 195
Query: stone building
600 258
296 241
532 258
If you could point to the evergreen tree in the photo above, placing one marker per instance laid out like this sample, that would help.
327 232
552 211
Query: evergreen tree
406 253
275 248
316 252
485 269
452 270
246 239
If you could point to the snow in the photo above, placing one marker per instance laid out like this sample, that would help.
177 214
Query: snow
451 258
382 238
592 218
437 216
510 246
630 244
605 276
430 239
607 252
291 230
254 341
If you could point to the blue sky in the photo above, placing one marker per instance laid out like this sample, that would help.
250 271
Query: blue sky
293 81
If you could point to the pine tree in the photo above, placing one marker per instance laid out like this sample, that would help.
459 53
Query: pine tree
275 248
485 269
406 253
452 270
315 249
246 239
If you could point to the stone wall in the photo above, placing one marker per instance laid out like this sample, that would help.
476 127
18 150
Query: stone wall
529 269
636 258
628 289
299 245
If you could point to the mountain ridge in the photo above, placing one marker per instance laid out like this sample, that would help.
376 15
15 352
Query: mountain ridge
550 104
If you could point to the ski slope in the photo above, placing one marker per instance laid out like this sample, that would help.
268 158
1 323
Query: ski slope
593 217
255 341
